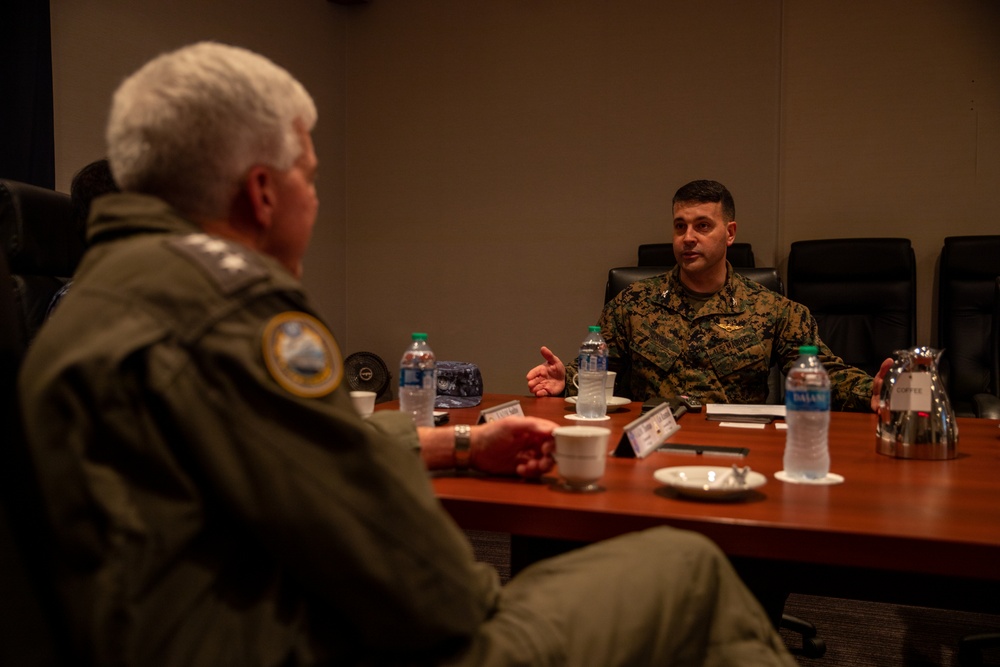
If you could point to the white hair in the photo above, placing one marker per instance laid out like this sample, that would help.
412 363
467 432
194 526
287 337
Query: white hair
189 125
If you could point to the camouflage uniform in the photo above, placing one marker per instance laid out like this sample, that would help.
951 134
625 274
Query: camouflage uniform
664 343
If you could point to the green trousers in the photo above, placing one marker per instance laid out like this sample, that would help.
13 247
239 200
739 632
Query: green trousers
660 597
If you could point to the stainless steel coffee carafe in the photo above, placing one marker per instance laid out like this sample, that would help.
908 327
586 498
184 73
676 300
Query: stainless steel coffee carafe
915 419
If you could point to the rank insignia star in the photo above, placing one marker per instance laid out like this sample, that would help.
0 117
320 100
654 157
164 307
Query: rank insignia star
232 262
228 265
197 239
215 246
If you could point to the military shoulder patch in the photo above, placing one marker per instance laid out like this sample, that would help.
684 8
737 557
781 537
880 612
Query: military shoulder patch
301 355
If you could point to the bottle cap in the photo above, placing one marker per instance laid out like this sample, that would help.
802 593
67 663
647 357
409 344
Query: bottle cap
593 328
419 336
808 349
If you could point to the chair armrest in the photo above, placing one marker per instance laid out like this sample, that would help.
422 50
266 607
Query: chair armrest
987 406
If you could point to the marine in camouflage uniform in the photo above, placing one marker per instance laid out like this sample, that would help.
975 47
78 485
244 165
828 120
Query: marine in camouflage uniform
664 341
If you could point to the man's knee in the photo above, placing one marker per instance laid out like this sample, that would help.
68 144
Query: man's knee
686 542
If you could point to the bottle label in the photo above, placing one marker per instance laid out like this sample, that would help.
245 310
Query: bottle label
593 363
808 400
416 378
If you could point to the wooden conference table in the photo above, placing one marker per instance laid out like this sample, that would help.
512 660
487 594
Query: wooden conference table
907 531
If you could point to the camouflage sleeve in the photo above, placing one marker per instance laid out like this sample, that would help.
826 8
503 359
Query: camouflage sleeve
850 387
572 368
617 333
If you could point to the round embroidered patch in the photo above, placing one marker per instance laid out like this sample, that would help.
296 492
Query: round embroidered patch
302 355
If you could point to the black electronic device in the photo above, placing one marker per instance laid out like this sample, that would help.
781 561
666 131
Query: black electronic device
676 406
365 371
740 419
652 403
692 403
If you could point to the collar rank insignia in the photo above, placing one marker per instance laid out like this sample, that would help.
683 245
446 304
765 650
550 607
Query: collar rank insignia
301 355
729 327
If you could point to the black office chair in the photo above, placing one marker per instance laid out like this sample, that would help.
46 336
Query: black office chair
32 632
37 233
971 647
995 345
967 273
622 276
987 406
43 247
662 254
862 292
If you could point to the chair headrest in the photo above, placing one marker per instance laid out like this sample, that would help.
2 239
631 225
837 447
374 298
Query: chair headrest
662 254
971 257
851 260
38 232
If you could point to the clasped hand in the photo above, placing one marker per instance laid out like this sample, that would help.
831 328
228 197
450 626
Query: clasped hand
521 445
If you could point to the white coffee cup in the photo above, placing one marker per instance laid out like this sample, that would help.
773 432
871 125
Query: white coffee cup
581 452
609 384
364 402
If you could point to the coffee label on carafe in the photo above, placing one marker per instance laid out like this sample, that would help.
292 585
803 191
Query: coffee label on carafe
911 392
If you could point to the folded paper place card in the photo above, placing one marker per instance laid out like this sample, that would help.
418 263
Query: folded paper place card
647 432
508 409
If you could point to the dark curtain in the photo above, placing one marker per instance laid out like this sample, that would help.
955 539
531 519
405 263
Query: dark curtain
26 136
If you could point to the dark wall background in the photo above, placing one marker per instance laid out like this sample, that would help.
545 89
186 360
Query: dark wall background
26 143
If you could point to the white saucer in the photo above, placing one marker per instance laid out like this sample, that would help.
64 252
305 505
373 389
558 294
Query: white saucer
831 478
577 417
693 480
613 402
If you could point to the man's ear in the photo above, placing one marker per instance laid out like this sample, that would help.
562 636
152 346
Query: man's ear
730 232
259 186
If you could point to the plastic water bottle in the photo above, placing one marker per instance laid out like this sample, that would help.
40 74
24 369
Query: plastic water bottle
418 381
807 405
591 401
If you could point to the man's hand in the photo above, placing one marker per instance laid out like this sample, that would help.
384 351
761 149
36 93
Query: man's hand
548 379
879 380
521 445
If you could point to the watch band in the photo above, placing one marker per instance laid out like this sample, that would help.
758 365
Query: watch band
463 443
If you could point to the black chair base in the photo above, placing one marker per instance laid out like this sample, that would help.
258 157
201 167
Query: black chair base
970 649
812 646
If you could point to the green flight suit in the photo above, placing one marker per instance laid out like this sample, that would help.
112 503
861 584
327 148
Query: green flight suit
217 500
